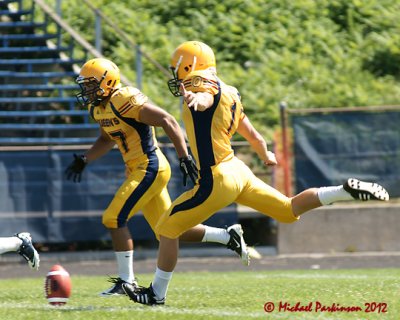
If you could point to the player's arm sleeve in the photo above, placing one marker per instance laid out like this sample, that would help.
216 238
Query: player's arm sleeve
134 102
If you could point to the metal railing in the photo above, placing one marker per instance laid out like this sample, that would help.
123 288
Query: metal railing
95 49
61 25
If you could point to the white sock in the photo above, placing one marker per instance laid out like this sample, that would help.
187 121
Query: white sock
9 244
216 235
125 265
328 195
161 282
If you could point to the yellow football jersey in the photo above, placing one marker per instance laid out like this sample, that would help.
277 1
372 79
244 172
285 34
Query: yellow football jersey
120 120
209 132
224 178
145 189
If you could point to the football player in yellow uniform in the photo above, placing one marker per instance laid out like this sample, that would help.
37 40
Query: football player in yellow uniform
127 118
212 113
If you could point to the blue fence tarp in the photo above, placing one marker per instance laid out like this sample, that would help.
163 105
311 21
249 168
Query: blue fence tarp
329 148
36 197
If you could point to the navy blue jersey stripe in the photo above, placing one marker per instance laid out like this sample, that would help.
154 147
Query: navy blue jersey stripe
233 109
202 122
144 131
144 185
206 183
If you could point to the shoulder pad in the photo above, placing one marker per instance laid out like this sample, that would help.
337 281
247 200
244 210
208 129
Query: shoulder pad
129 94
201 81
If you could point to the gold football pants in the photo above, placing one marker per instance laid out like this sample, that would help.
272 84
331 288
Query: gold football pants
145 189
228 182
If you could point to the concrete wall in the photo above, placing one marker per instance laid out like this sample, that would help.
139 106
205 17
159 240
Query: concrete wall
343 228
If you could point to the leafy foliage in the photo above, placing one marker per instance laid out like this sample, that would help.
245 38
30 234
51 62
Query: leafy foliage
309 53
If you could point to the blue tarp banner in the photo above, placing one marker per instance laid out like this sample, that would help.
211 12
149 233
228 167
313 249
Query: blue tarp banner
36 197
331 147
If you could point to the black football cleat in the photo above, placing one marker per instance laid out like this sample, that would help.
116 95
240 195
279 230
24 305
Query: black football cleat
116 289
143 295
27 251
237 243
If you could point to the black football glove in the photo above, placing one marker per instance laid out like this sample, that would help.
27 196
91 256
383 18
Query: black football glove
74 170
188 168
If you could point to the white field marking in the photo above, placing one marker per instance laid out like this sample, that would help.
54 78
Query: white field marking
313 275
156 309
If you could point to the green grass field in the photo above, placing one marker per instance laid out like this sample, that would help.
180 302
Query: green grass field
217 295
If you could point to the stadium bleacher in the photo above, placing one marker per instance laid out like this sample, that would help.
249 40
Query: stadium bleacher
37 89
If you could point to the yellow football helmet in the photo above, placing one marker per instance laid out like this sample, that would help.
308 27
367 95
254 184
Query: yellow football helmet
188 57
98 79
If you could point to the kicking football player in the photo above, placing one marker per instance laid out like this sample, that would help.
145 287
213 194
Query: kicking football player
212 113
127 118
22 244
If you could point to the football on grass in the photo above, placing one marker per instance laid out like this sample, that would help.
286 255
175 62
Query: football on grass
57 286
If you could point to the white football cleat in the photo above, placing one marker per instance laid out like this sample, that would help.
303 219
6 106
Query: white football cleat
365 191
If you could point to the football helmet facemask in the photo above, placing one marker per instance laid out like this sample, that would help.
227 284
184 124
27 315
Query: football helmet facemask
188 57
98 79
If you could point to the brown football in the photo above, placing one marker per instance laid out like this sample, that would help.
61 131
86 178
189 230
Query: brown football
57 285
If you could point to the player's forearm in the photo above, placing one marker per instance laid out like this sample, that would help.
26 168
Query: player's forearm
101 147
266 156
260 147
256 140
174 133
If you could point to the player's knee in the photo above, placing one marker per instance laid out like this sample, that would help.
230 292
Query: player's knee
109 222
157 228
288 213
291 220
166 231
